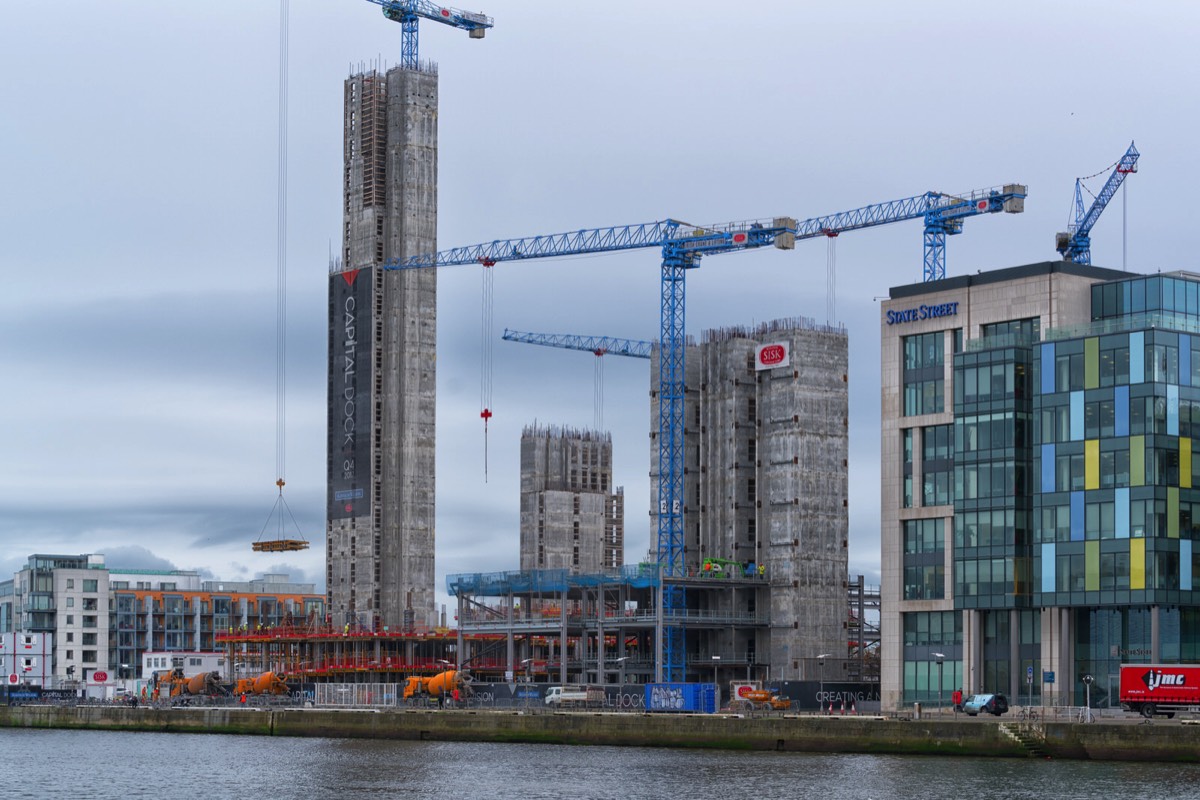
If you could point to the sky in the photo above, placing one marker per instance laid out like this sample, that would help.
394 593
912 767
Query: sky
138 207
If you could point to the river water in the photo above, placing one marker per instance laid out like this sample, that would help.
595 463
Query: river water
98 765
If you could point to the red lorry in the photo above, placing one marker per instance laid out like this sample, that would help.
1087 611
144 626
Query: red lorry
1165 689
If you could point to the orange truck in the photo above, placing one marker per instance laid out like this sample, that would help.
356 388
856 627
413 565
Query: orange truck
440 685
173 683
266 683
750 696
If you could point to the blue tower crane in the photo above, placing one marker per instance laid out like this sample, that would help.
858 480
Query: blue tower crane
597 345
1076 244
408 12
682 247
943 214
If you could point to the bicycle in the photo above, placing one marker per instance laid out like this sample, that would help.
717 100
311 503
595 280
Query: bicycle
1025 713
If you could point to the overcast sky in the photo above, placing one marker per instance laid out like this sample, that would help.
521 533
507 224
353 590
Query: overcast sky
138 222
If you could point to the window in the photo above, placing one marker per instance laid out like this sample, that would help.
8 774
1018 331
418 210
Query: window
70 583
1019 331
70 602
89 657
89 622
89 603
924 374
90 585
89 639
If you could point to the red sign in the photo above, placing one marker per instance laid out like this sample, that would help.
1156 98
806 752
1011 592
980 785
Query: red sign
740 238
772 355
13 679
99 676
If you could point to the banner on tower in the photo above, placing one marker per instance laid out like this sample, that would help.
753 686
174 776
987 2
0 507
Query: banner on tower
350 372
770 356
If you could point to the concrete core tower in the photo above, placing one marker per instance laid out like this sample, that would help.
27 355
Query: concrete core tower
382 365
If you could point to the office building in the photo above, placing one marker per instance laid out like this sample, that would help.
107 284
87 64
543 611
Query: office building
1037 481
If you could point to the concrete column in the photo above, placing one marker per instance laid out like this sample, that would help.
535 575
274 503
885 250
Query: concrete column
1016 672
1155 635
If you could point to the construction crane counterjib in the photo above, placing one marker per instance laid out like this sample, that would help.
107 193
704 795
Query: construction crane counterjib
409 12
470 21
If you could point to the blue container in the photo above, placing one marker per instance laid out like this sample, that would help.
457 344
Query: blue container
695 698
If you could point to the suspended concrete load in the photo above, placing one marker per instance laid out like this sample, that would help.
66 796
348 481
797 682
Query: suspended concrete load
280 544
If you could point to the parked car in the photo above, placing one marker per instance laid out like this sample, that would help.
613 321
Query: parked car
995 704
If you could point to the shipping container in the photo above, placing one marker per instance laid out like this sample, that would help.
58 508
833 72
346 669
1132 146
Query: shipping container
697 698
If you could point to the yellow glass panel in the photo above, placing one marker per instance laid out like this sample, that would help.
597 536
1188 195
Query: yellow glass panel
1137 460
1091 363
1137 563
1092 564
1172 512
1185 463
1091 464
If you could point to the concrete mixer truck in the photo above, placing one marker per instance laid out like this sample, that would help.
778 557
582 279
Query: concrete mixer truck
439 687
266 683
173 684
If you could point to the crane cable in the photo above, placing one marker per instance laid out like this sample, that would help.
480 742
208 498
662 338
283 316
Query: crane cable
486 347
831 276
598 391
281 258
281 542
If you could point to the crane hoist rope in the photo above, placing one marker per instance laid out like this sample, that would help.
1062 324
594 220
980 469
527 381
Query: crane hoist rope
281 542
486 360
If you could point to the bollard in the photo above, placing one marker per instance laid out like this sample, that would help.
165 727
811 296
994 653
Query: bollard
916 710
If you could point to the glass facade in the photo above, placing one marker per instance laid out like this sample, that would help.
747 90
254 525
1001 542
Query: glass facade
924 374
992 463
1115 507
927 633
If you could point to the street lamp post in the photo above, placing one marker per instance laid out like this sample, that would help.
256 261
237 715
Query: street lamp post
1087 692
527 666
821 680
621 661
716 665
940 658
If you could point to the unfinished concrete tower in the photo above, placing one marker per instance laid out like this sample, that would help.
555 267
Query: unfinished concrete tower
765 451
382 348
571 516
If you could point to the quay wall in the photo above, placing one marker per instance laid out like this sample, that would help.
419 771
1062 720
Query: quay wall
1123 741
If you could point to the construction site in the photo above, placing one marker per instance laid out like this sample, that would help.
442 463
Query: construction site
747 574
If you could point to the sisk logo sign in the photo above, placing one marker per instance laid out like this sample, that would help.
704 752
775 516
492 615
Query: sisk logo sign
770 356
1154 679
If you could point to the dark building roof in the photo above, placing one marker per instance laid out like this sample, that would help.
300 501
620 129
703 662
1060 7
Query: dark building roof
1010 274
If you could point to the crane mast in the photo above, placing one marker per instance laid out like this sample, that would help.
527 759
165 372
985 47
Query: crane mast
1076 244
408 12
